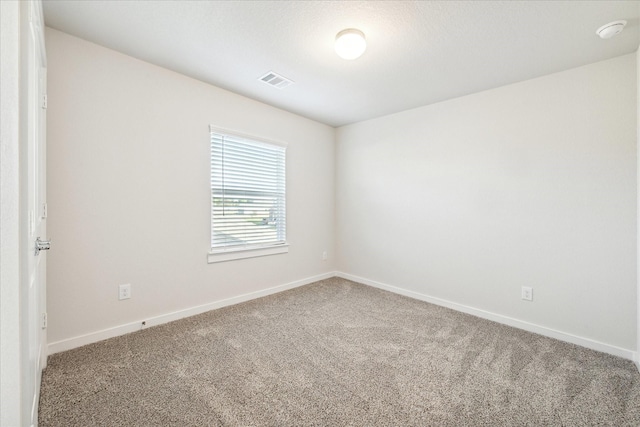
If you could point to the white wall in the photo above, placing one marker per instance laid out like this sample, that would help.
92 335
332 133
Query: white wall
531 184
10 337
128 188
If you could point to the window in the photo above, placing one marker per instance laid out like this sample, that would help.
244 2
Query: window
248 197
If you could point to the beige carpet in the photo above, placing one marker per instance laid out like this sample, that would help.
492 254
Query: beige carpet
337 353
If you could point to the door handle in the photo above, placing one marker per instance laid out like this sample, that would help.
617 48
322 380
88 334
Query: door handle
42 245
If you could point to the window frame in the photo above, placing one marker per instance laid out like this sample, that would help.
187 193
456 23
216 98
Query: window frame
229 253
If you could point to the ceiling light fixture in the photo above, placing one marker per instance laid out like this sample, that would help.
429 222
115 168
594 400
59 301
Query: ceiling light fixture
350 43
611 29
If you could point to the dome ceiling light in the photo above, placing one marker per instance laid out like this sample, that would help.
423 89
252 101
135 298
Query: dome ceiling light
350 43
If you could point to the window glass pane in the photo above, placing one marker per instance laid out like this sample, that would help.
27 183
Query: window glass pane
247 193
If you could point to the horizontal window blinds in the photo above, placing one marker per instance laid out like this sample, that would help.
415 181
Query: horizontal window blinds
248 203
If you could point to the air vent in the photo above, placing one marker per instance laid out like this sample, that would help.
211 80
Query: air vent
276 80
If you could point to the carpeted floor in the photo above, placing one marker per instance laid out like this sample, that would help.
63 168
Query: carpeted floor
337 353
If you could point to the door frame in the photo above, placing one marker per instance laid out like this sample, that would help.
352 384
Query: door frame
20 361
32 176
10 214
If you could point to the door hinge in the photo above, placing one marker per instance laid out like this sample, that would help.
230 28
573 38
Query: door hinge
44 320
44 211
44 102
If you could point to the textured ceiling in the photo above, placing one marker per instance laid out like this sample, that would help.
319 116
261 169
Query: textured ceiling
419 52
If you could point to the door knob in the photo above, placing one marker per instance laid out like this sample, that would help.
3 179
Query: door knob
42 245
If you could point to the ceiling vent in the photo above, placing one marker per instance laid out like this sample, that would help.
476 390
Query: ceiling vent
276 80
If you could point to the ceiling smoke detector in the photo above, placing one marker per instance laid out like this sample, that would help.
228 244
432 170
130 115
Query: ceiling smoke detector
611 29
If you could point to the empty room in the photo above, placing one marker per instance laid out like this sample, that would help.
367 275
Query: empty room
327 213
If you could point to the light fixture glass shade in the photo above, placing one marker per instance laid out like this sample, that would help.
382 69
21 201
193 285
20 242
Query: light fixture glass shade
350 43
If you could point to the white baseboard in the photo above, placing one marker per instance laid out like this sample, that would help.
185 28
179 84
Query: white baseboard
636 359
70 343
520 324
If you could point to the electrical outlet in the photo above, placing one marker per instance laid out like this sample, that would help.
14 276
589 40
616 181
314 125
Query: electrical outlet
124 291
527 293
324 255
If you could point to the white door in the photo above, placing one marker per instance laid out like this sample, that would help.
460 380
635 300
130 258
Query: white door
33 305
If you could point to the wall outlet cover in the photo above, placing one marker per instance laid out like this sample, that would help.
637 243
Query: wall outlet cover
527 293
124 291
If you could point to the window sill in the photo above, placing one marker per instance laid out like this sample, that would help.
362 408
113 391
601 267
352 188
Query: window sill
233 254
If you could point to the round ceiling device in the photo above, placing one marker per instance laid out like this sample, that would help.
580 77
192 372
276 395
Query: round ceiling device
350 43
611 29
